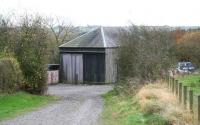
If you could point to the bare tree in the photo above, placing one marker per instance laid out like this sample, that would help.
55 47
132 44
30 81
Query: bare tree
5 33
60 32
60 29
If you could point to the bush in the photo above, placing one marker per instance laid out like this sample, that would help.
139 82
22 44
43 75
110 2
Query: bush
128 86
11 77
32 54
144 52
29 43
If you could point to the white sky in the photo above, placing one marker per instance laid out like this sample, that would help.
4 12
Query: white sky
111 12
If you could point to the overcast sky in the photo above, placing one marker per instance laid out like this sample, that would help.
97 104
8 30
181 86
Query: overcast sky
111 12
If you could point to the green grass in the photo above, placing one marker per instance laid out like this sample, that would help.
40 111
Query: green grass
192 81
120 110
12 105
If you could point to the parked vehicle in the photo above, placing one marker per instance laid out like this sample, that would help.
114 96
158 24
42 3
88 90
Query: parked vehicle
185 67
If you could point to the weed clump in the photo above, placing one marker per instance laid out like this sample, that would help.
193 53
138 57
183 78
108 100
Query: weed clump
152 107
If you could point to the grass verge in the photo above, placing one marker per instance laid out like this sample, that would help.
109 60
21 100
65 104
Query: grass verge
126 110
12 105
152 105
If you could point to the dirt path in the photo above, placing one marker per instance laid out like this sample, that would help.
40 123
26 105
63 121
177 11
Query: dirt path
79 105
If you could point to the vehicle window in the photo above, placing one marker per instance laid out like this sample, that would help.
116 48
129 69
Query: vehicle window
189 64
181 67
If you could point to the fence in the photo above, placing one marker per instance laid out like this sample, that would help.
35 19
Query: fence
186 97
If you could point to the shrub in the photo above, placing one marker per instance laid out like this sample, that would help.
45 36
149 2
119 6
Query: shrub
128 86
29 43
144 52
32 54
11 77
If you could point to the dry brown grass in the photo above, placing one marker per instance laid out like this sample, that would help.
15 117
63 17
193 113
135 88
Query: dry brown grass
156 98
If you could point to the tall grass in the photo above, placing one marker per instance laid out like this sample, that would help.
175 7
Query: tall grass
126 110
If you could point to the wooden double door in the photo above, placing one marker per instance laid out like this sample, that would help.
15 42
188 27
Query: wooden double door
88 68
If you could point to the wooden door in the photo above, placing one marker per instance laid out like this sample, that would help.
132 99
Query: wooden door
73 68
94 68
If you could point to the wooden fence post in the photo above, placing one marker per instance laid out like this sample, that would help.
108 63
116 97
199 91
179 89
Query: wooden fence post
180 92
173 84
166 78
198 110
1 82
170 85
191 100
171 81
168 82
184 96
176 84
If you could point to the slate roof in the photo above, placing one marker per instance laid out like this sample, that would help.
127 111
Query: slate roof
97 38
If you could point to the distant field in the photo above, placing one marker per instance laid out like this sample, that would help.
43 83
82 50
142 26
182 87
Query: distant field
12 105
191 81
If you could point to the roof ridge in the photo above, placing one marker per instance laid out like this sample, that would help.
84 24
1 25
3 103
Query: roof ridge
103 37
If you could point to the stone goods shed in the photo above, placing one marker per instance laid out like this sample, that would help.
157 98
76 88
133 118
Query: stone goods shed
90 58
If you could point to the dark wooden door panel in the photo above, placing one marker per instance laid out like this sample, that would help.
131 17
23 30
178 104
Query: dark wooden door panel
94 67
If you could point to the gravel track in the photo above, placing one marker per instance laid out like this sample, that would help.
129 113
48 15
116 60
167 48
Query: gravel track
79 105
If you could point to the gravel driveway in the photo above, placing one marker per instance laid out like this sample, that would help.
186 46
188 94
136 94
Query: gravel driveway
79 105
